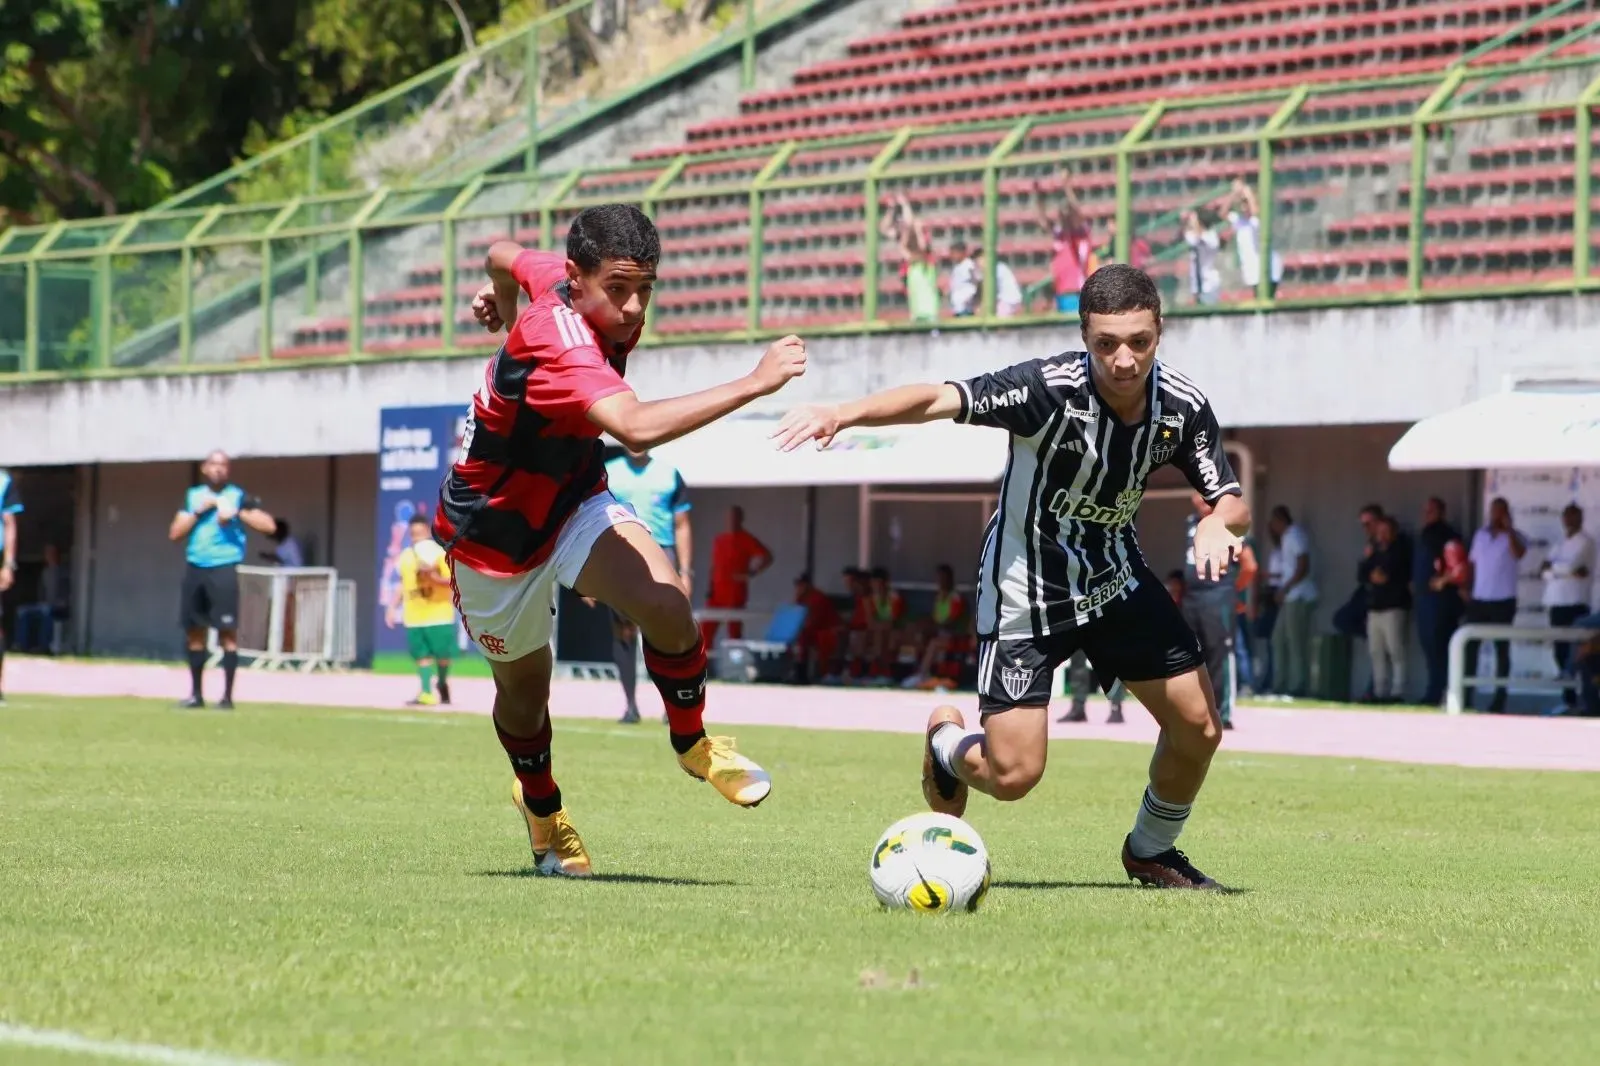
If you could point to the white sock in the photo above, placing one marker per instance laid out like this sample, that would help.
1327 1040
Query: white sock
949 742
1157 826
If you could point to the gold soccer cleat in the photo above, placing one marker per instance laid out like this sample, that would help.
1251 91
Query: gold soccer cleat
558 851
714 759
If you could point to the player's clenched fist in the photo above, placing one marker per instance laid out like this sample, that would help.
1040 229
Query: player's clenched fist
782 362
818 423
493 310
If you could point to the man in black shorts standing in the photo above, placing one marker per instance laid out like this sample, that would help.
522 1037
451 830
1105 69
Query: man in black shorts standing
1061 567
213 523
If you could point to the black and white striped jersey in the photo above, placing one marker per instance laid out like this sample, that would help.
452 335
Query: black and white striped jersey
1063 545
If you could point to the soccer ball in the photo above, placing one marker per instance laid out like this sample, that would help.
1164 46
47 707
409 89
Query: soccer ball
429 552
930 862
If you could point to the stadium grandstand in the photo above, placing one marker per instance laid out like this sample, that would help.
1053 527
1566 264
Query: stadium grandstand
1330 111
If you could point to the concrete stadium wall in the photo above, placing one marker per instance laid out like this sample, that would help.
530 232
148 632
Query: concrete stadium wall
1357 366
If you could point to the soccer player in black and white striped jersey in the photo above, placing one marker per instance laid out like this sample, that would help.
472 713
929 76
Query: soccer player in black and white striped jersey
1061 567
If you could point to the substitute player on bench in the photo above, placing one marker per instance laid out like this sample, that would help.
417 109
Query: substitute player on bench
527 505
1061 566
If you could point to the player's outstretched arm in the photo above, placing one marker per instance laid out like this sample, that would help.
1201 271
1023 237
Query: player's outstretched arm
905 405
641 426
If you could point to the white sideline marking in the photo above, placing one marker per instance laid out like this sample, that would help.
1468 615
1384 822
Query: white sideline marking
72 1043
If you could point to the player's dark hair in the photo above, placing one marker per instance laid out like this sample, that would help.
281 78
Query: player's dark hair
1116 289
1282 512
1373 509
420 519
612 231
944 568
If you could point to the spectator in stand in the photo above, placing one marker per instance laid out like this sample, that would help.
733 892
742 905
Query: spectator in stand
1138 248
817 644
947 623
285 549
1244 217
1200 234
1496 550
1438 600
919 265
736 557
36 622
1072 257
1007 292
886 610
1567 573
1385 574
965 280
1295 594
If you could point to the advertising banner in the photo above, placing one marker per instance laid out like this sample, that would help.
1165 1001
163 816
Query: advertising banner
416 448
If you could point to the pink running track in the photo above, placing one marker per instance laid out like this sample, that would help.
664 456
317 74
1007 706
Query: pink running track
1508 742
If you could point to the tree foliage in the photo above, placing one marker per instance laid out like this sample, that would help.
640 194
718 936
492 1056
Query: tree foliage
108 106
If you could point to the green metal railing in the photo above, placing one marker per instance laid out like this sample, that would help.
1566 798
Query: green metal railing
221 286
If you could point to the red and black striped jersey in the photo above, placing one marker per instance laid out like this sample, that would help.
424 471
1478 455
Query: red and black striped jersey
530 455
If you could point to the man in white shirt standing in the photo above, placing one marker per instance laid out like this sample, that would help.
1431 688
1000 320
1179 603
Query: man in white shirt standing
1568 580
1289 580
963 281
1496 550
1245 218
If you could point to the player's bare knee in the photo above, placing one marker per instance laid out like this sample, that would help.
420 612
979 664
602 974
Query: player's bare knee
666 617
1198 738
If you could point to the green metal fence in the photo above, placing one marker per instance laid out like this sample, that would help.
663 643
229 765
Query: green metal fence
220 285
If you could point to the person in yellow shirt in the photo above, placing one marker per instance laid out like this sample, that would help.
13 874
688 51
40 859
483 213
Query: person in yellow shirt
426 606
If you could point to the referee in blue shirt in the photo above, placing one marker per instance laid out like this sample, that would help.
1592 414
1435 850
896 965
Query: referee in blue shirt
653 490
216 518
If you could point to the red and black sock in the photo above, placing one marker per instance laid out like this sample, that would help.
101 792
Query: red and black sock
681 680
530 761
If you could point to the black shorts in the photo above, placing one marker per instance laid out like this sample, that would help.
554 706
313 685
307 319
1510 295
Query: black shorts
210 598
1141 637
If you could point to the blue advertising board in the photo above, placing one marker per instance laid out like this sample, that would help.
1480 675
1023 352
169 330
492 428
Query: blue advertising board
416 448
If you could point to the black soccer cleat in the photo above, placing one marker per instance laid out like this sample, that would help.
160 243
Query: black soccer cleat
193 703
444 691
225 704
1170 869
944 792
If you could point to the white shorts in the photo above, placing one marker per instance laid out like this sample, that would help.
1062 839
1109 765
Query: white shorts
510 617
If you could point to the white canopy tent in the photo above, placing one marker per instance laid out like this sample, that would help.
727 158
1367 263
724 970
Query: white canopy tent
1532 424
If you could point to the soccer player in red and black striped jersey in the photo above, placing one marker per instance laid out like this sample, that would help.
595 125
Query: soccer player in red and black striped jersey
527 506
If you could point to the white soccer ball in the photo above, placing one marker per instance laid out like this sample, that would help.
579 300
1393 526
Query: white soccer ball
930 862
429 552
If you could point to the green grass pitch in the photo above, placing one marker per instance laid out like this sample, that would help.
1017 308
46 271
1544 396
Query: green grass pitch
317 886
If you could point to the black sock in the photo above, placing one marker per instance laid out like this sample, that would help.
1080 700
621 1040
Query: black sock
230 663
197 666
2 654
544 806
626 656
